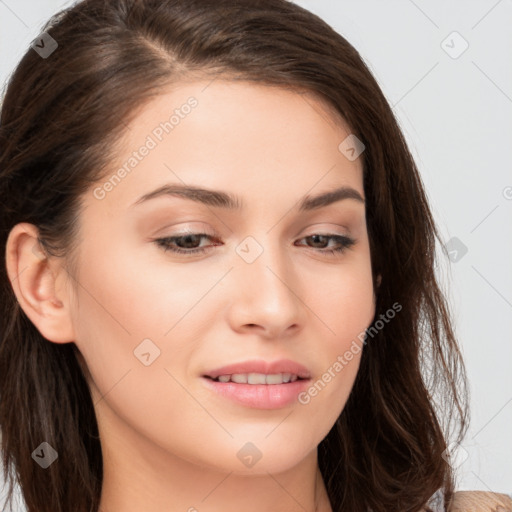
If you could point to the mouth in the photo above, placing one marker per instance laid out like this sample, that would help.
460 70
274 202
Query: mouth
259 384
257 378
259 371
255 394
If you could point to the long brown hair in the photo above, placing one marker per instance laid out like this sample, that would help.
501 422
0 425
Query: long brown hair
60 119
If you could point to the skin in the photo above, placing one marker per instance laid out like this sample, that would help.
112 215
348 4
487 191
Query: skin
168 442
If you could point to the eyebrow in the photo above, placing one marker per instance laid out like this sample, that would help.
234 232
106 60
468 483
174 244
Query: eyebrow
221 199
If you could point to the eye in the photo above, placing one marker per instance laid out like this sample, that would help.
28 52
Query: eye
189 243
344 242
183 244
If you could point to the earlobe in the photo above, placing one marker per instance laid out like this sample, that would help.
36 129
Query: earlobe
38 283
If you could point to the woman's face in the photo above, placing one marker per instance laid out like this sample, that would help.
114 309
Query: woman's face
151 323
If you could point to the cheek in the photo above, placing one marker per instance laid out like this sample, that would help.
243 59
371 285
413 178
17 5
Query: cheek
344 300
118 307
123 301
136 298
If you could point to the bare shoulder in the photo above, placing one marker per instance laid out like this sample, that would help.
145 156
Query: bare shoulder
481 501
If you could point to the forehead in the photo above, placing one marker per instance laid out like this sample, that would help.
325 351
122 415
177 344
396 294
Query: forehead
234 135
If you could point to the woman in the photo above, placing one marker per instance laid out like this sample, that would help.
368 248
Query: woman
302 358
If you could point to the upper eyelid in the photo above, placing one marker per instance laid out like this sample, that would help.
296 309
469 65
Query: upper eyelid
200 230
180 234
350 223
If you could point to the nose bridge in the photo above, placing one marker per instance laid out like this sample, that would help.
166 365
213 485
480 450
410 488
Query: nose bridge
264 260
269 288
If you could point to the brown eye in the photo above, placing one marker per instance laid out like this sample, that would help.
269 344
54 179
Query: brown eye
183 244
189 243
323 240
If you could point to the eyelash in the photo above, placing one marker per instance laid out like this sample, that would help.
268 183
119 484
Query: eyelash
164 243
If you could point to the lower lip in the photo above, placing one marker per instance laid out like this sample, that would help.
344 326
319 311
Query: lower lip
259 396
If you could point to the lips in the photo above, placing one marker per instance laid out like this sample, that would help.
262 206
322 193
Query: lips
259 384
282 366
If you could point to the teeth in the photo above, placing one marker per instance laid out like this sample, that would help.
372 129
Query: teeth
276 378
258 378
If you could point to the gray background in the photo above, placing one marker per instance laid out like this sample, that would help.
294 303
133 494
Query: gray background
455 109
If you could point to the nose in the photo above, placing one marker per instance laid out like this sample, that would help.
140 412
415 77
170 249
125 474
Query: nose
268 295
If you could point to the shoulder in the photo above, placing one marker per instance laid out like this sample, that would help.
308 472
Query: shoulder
480 501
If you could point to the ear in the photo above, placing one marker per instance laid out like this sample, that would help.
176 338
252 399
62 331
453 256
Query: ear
39 282
379 280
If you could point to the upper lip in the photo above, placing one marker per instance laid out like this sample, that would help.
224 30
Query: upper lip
261 366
